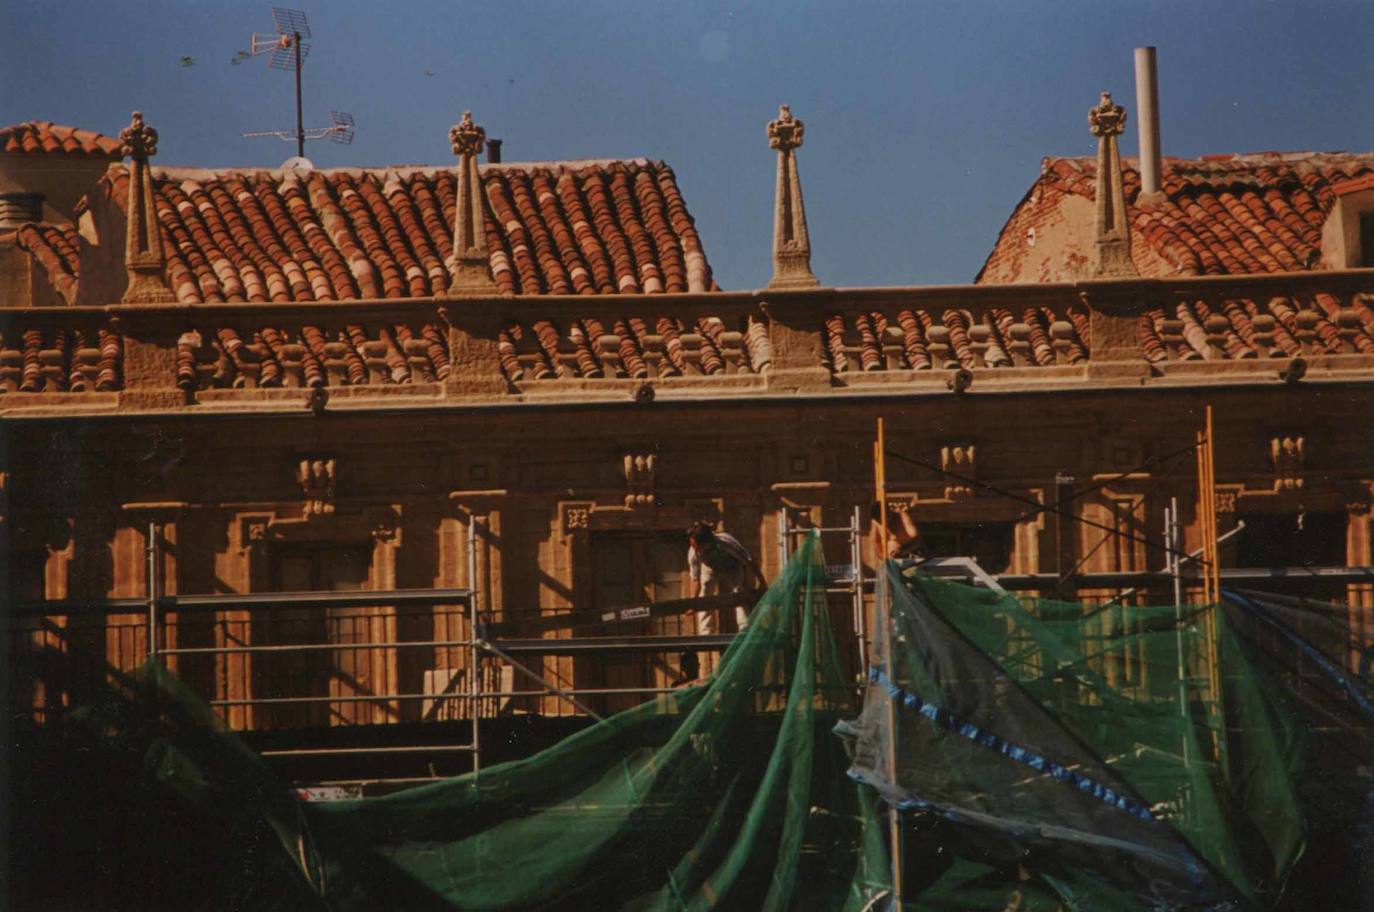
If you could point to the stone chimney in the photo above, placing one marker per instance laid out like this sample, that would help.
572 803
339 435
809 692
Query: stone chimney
1112 232
494 151
471 265
1147 128
143 259
791 242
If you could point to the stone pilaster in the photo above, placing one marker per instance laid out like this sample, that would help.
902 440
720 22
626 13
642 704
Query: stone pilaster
1112 231
143 259
470 267
791 241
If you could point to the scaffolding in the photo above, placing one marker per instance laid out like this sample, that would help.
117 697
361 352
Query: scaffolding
468 697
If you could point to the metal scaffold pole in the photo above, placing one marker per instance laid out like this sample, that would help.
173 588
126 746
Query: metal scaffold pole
474 649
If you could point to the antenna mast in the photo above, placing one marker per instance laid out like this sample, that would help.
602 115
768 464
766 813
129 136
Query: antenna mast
289 45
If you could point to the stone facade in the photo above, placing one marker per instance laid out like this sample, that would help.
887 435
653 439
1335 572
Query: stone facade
360 442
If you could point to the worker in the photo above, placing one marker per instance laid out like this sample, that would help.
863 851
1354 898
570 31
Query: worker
903 535
716 563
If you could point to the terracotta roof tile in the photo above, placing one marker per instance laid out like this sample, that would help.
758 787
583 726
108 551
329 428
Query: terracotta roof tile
598 228
1222 214
41 137
56 249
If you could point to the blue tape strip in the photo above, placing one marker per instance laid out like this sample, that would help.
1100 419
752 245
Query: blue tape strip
945 719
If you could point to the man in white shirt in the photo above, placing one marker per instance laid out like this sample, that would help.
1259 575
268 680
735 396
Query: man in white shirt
716 563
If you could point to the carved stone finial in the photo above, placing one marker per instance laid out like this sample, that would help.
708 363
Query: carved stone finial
1112 231
1107 119
470 267
143 259
791 240
466 137
785 132
138 140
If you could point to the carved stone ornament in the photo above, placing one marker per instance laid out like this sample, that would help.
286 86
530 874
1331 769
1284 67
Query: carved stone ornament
255 531
317 478
1225 501
138 140
1107 119
577 517
958 459
470 266
791 239
1288 455
466 137
639 478
1112 230
786 132
143 258
384 524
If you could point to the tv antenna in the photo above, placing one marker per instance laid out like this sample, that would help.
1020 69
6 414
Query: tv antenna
288 45
339 131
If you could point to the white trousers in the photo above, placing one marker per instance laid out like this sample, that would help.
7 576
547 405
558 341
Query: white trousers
711 584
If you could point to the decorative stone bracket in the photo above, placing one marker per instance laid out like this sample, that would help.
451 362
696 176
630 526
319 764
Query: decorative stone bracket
317 478
958 459
639 479
1287 455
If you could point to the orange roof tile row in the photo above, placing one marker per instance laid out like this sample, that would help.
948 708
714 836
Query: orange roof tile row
311 356
1226 214
56 249
41 137
1242 328
601 228
65 360
638 348
919 339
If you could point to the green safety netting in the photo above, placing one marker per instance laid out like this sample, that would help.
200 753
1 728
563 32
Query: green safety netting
729 795
1058 755
1044 755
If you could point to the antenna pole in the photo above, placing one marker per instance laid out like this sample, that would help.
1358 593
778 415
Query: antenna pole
300 122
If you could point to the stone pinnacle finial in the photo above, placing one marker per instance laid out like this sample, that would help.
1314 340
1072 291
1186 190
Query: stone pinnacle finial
466 137
791 240
138 140
470 267
143 259
1112 230
1107 119
786 132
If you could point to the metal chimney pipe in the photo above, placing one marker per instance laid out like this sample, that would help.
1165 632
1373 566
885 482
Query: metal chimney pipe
1147 112
494 151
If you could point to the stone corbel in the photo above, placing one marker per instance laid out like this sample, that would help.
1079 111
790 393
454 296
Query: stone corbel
640 471
958 458
318 478
1288 454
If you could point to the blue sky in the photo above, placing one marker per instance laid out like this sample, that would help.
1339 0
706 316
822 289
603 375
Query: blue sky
926 121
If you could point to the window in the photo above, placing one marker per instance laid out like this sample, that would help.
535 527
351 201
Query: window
989 543
1294 540
315 567
633 568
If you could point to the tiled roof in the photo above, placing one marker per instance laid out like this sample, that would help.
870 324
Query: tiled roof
56 248
41 137
552 228
1222 214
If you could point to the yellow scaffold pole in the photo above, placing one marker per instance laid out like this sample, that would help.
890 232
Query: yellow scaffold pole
884 606
1211 577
